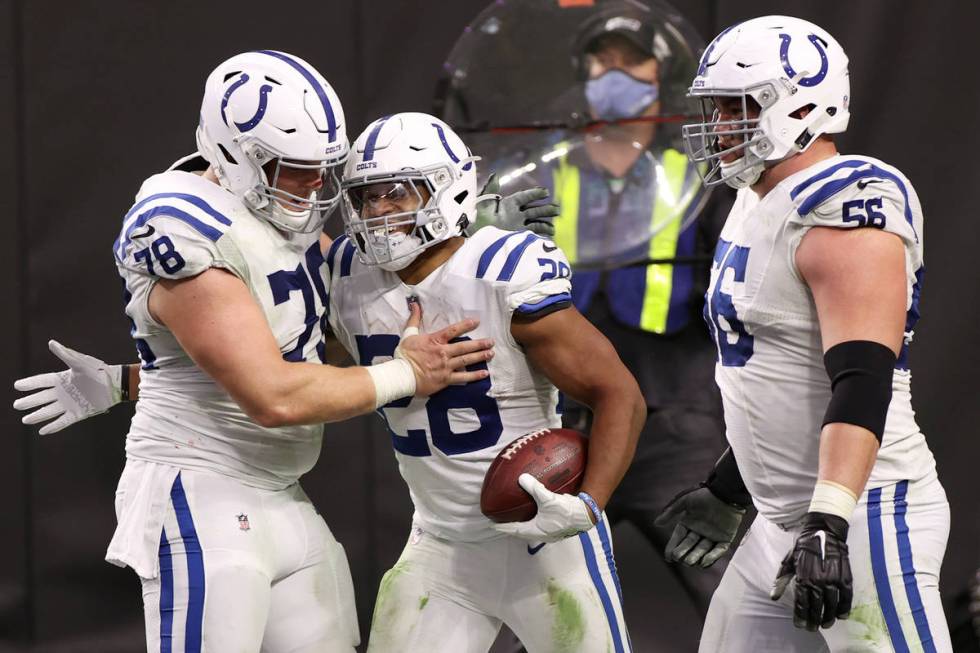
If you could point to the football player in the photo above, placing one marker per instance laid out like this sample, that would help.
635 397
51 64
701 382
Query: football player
813 298
221 263
410 189
409 186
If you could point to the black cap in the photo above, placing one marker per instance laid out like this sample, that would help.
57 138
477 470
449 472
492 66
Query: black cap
631 20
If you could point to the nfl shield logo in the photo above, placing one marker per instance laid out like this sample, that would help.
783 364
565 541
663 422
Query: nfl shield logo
243 522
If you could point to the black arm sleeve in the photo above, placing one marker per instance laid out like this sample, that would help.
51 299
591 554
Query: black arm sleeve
860 374
725 481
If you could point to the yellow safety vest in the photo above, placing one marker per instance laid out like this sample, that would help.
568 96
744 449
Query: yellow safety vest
668 210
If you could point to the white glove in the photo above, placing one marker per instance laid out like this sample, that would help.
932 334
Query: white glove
88 387
559 515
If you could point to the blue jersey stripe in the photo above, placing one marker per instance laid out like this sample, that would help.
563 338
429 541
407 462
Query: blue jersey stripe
908 570
487 257
529 309
202 228
510 265
332 252
193 199
880 572
194 626
593 567
850 163
317 88
911 319
166 595
831 188
347 259
372 139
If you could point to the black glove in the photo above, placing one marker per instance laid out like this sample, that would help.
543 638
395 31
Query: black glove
822 570
514 212
704 527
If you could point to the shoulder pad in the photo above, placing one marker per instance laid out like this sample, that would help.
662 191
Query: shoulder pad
858 193
340 257
171 235
536 273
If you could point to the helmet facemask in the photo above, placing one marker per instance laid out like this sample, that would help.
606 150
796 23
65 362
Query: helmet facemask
745 136
289 210
395 239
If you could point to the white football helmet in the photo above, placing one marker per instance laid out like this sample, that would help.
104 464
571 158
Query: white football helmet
777 66
409 184
267 111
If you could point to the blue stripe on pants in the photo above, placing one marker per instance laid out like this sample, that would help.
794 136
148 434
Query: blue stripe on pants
908 569
195 569
166 595
611 561
607 605
880 570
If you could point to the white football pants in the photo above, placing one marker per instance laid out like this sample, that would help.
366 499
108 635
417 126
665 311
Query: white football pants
247 570
451 597
896 544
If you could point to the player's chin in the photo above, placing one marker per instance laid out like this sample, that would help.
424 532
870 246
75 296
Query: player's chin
731 157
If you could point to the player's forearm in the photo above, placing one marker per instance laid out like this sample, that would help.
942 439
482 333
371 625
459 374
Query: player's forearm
619 412
296 393
847 454
307 393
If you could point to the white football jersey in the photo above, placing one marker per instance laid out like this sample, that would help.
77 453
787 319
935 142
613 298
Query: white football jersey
181 225
764 322
445 443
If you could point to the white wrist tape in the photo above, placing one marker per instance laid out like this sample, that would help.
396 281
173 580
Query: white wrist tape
833 499
393 380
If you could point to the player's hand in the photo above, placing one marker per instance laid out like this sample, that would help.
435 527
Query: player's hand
705 527
437 360
822 570
88 387
514 212
559 515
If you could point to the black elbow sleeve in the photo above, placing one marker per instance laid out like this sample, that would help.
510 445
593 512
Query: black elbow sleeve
860 374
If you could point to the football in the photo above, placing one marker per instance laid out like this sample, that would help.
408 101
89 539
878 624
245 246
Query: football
556 457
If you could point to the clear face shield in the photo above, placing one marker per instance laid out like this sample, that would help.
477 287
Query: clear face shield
721 148
384 220
547 102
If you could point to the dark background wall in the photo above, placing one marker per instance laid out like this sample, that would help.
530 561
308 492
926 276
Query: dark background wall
96 96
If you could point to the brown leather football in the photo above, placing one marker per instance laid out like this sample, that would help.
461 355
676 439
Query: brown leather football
556 457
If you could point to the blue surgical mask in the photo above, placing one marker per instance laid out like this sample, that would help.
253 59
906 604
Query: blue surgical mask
615 95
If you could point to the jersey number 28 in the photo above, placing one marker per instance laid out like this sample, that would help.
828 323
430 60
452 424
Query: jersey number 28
472 396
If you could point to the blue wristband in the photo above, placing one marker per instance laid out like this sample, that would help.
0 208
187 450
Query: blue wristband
593 506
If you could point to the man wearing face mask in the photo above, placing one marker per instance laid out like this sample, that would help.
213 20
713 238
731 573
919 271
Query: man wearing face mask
627 195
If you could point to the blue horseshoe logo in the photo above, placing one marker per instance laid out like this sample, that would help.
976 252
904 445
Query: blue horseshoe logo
249 124
788 67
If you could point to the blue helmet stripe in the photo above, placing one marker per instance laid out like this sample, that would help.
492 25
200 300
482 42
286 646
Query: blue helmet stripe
317 87
372 139
445 144
703 66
